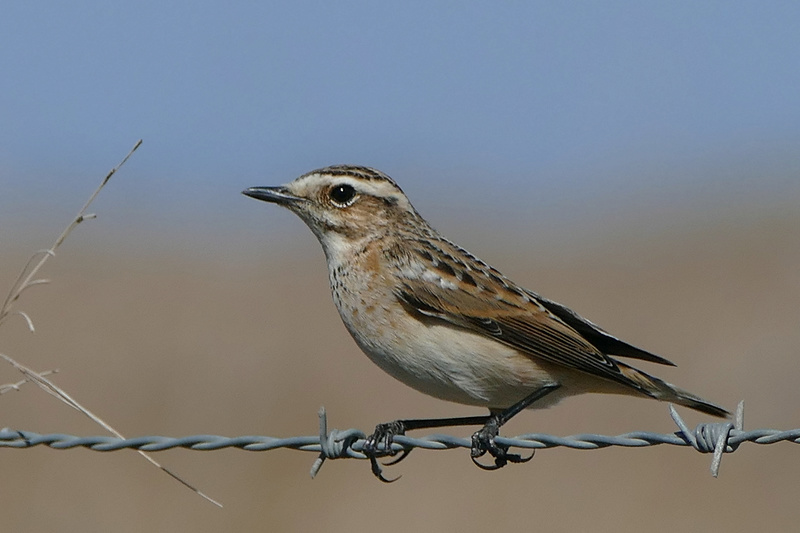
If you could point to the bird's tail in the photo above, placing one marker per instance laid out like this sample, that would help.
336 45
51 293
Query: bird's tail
661 390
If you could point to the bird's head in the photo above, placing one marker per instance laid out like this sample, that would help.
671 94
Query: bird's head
343 205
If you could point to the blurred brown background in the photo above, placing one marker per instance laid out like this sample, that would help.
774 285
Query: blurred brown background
166 335
636 161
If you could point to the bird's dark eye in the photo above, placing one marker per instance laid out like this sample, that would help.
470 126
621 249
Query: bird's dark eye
342 195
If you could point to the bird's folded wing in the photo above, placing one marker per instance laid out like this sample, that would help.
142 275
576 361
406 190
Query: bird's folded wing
531 329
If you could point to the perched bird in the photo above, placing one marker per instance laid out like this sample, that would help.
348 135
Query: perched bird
447 324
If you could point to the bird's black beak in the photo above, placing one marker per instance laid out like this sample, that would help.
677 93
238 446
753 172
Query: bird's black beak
276 195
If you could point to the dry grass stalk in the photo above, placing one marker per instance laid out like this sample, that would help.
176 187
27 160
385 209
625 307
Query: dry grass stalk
27 279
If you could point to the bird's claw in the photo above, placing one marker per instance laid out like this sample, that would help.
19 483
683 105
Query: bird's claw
382 438
483 442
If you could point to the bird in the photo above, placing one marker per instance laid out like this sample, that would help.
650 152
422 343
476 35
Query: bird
449 325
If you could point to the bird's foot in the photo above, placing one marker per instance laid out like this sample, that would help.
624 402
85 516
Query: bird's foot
379 444
483 442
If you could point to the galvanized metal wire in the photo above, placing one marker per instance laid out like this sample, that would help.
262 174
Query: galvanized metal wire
717 438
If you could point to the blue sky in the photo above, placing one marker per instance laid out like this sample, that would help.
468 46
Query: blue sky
547 105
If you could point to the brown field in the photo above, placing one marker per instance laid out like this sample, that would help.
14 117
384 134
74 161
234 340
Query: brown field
179 343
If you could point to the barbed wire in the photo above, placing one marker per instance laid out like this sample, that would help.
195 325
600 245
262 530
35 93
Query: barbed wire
717 438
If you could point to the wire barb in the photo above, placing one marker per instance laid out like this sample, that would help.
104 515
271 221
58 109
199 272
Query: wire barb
335 444
712 437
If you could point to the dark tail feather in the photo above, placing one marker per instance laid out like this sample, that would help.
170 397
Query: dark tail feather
691 401
661 390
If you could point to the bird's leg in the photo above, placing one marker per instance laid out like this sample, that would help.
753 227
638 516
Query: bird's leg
483 439
384 434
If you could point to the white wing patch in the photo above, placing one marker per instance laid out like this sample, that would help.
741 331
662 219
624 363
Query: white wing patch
432 277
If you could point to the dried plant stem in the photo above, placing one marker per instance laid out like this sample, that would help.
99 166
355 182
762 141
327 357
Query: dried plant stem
53 389
27 279
7 387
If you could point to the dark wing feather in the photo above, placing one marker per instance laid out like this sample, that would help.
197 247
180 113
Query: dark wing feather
604 342
530 329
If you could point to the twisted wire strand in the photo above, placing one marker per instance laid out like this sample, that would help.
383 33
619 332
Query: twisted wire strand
716 438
